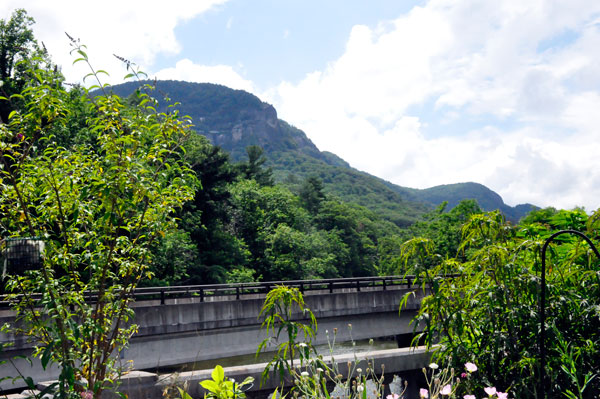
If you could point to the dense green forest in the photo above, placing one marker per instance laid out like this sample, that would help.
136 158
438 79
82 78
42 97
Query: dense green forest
243 227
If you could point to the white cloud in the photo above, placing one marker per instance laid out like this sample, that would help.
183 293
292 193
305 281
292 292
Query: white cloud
521 77
527 73
220 74
135 29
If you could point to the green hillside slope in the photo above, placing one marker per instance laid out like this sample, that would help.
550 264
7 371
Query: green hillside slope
235 119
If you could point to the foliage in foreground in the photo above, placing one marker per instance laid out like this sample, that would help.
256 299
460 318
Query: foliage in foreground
224 388
97 208
314 376
490 313
280 311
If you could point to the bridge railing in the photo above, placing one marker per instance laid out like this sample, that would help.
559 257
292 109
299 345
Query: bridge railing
241 290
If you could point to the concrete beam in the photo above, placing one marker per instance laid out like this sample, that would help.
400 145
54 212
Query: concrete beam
191 331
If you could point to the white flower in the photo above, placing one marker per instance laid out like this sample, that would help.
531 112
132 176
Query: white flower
360 388
359 370
319 369
304 374
302 345
446 390
471 367
433 366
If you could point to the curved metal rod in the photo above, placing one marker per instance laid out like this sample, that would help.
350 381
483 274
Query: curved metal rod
542 387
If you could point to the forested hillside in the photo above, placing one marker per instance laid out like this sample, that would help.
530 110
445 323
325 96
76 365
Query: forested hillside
486 198
235 119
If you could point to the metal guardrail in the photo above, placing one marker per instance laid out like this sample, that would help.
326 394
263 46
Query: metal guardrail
241 290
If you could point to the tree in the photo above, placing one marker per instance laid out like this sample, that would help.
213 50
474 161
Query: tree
211 250
444 227
389 251
257 213
254 167
172 256
98 211
354 231
311 194
541 216
205 217
19 51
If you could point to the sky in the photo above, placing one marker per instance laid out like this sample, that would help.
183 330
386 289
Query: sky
420 93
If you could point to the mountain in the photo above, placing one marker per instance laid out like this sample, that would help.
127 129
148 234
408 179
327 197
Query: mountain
235 119
486 198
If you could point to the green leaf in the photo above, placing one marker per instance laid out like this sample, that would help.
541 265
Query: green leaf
47 355
210 385
218 374
184 394
48 390
29 382
247 381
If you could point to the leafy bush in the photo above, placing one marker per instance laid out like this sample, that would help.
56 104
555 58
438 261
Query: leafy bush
98 209
490 313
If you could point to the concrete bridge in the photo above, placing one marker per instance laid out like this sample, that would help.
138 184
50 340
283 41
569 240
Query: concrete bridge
188 324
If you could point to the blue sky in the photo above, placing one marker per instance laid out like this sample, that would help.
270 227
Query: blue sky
270 41
420 93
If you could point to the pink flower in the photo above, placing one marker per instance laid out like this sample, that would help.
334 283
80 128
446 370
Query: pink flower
471 367
490 390
393 396
502 395
87 395
464 375
469 397
424 393
446 390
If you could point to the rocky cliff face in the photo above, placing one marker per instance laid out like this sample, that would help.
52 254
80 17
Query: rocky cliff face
256 125
235 119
